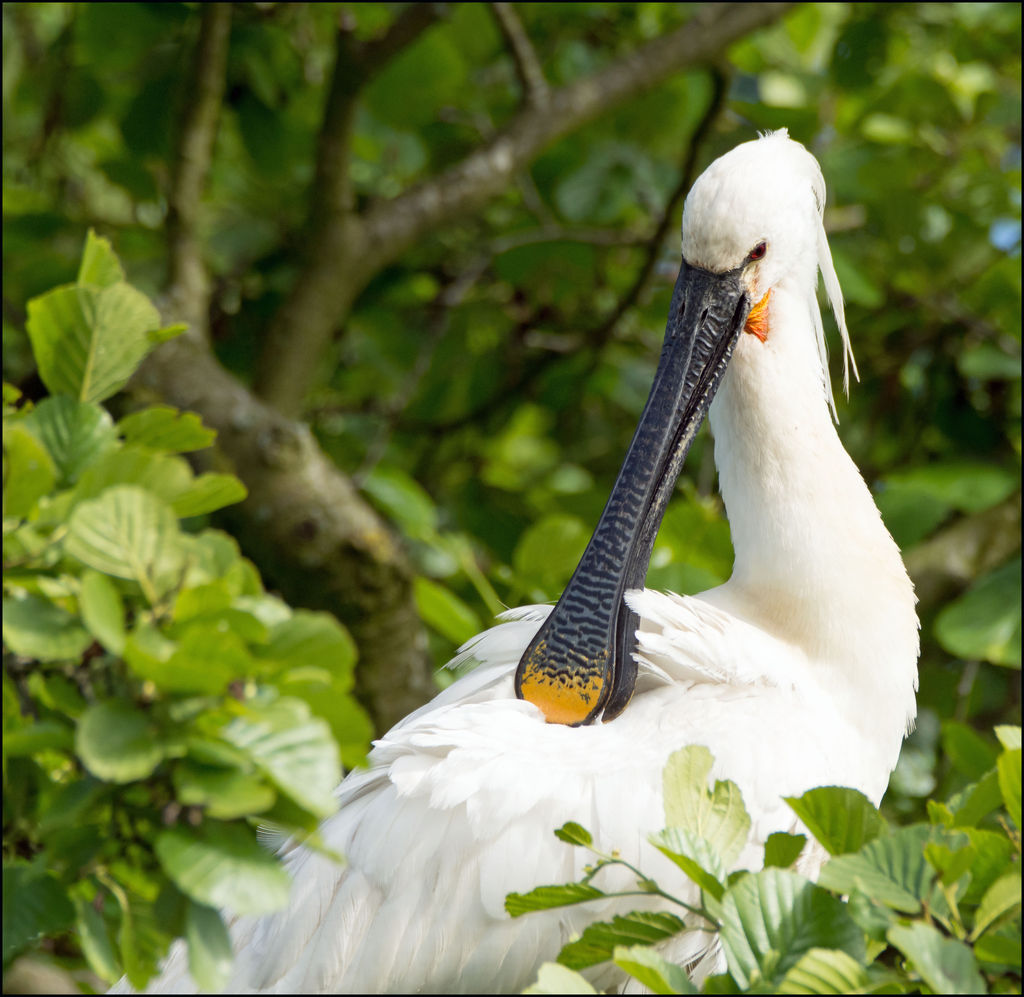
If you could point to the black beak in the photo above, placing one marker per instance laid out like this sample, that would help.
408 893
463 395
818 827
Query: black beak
581 661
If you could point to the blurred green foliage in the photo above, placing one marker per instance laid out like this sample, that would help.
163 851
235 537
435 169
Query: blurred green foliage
929 907
156 698
484 387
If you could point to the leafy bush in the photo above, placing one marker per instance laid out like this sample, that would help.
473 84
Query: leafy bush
932 907
157 701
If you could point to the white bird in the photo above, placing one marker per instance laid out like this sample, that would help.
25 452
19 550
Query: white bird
800 671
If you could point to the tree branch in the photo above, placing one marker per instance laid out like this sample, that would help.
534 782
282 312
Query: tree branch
333 272
188 280
392 226
346 253
413 20
528 68
331 194
354 66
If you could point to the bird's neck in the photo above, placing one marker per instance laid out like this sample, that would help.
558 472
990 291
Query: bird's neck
814 563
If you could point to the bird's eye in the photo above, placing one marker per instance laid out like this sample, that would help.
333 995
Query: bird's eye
758 251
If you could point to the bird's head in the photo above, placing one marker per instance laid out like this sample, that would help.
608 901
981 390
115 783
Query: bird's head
752 225
758 211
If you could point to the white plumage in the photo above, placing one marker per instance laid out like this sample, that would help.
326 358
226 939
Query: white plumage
800 671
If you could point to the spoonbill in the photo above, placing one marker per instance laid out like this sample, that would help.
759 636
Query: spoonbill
800 671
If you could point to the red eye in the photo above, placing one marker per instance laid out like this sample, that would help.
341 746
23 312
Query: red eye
758 251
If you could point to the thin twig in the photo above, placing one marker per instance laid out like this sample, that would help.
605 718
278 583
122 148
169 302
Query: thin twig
413 20
331 194
354 66
528 67
189 283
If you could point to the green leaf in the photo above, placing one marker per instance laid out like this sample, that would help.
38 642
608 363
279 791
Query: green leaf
216 753
910 513
213 556
717 815
992 851
404 500
117 742
841 819
36 628
1009 782
313 640
946 965
89 340
989 362
210 956
696 856
969 752
166 477
350 725
969 487
143 939
985 622
939 813
102 611
781 850
720 983
1008 735
222 865
772 918
546 897
209 602
574 834
100 265
977 801
29 473
11 395
439 607
95 941
891 870
1002 898
43 735
856 281
208 493
161 335
56 691
1002 947
950 863
35 904
872 918
655 973
76 434
166 430
68 806
548 552
600 939
225 793
294 749
555 979
422 77
206 659
825 971
129 533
